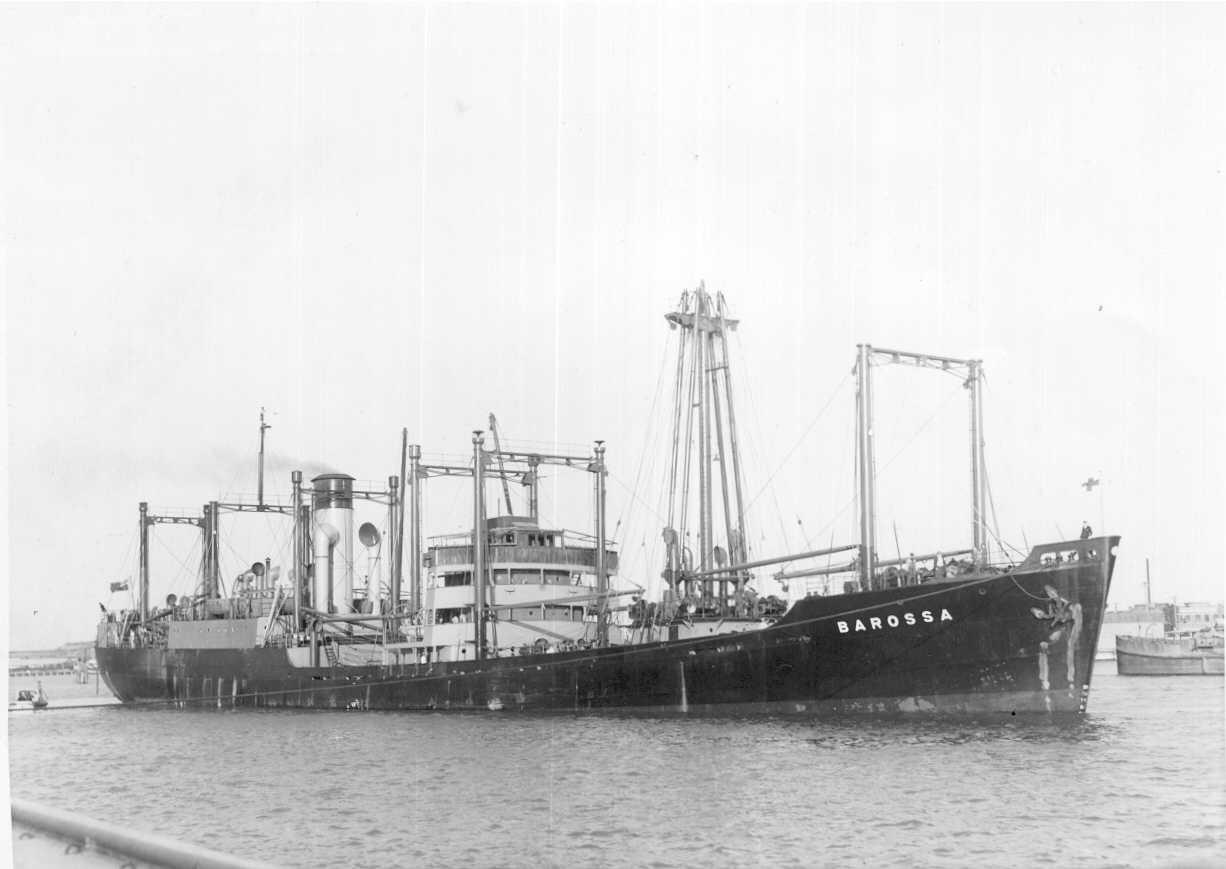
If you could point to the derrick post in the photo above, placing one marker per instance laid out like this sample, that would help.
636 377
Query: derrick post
299 573
414 481
206 538
741 555
704 446
393 509
478 547
215 548
714 365
602 577
399 527
979 529
142 593
306 583
864 467
871 462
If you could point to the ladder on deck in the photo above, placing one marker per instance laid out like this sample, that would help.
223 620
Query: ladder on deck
333 653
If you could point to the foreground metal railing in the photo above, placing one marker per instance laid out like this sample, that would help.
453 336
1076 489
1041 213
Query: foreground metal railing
66 833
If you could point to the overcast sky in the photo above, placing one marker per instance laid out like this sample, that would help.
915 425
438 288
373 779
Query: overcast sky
369 218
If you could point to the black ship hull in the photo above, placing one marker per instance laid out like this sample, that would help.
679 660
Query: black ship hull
1014 642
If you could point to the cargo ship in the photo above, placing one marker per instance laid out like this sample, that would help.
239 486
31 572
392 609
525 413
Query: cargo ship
516 614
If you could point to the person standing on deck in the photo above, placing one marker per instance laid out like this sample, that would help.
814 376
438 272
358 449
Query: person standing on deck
1086 531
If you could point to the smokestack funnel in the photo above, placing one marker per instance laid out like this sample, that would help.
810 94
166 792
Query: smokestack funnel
332 505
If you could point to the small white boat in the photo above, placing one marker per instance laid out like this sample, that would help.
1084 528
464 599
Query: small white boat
30 699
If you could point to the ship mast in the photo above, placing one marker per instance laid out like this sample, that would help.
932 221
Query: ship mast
703 406
263 428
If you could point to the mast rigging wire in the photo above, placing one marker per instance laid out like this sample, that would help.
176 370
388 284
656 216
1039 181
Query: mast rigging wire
753 445
126 568
996 526
915 434
651 424
182 564
800 440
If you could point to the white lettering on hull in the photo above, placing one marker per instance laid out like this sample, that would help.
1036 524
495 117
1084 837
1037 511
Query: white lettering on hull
876 623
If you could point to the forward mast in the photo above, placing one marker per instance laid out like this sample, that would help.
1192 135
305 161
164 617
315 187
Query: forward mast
713 578
972 371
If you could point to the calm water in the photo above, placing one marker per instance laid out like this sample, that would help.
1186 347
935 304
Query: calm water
1139 782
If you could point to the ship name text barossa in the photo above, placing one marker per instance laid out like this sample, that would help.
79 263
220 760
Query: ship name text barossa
876 623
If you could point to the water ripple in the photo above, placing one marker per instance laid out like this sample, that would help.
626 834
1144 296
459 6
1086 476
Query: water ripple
1140 781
